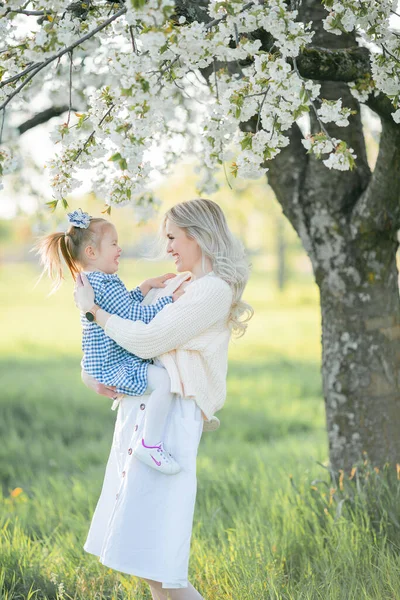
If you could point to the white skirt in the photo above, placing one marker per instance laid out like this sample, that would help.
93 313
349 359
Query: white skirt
143 520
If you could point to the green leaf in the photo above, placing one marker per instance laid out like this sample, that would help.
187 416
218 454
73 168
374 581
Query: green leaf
52 205
303 108
145 85
247 141
138 3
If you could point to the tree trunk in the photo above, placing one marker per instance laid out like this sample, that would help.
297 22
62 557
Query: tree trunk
352 245
348 223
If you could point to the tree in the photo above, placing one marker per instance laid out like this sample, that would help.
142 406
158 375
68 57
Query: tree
230 79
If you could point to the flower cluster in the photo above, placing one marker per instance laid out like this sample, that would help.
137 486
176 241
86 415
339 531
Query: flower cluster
209 86
340 157
371 21
332 111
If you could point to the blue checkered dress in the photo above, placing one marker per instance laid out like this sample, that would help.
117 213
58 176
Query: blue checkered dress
102 357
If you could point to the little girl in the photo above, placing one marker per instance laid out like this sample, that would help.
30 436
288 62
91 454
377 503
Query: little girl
91 245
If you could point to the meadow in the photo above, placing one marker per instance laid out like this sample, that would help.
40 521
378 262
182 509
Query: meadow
269 522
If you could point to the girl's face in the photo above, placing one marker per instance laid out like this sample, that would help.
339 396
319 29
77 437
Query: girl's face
184 250
105 256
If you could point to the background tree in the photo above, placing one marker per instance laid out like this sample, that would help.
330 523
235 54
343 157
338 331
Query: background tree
229 80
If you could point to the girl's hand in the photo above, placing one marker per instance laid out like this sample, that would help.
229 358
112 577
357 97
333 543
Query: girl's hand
110 391
83 293
155 282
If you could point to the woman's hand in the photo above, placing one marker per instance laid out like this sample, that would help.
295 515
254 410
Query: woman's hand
83 293
110 391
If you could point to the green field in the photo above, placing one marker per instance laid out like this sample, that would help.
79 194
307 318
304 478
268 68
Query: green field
263 527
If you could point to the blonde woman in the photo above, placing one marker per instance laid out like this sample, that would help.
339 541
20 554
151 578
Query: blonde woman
142 524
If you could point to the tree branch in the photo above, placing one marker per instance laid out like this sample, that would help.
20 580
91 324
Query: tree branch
33 13
345 64
42 117
91 136
286 175
378 209
381 105
28 69
61 53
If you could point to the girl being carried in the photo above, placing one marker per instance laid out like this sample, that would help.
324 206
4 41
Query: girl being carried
90 245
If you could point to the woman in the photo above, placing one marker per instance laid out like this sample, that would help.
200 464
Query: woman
143 520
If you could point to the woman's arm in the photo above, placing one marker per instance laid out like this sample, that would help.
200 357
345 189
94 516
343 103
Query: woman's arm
205 302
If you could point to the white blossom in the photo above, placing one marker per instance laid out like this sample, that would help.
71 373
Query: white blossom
396 116
332 111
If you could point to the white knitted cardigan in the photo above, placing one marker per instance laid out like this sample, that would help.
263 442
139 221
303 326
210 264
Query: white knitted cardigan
190 338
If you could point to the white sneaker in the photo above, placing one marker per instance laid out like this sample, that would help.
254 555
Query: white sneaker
157 458
211 424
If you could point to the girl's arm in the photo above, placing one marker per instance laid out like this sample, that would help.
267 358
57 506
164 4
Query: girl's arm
113 297
205 301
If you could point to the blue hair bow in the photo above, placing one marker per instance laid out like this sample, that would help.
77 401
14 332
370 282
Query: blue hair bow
78 218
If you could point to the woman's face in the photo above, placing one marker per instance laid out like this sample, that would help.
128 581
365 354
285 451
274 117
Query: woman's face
185 250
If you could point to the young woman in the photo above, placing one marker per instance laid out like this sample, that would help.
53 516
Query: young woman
143 524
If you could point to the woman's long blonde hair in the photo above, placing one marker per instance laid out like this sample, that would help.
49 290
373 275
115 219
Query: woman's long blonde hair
69 246
204 221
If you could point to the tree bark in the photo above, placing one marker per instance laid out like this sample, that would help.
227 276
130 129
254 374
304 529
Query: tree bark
361 354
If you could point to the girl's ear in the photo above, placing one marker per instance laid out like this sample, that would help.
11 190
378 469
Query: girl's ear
90 253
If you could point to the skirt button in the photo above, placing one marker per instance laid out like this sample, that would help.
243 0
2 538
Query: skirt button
130 451
123 473
136 427
142 406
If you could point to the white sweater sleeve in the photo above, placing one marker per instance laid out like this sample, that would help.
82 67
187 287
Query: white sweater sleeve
205 302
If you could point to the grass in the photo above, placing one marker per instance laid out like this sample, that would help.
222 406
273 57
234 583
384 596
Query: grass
264 528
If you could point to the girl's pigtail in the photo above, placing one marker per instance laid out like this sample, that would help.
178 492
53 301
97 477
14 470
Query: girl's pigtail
65 246
50 250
